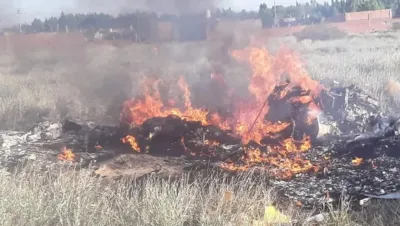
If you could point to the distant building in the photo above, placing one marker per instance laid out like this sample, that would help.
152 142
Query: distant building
289 22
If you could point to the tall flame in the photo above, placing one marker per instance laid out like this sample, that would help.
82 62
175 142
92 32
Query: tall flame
267 72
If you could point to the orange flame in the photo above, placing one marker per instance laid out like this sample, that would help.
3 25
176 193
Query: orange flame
283 165
357 161
66 155
267 73
132 142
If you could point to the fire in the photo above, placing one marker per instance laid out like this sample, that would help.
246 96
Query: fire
357 161
66 155
283 166
132 142
268 72
211 143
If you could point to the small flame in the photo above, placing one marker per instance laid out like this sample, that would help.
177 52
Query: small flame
132 142
357 161
66 155
211 143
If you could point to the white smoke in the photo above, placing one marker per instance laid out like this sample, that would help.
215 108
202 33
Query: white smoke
8 15
159 6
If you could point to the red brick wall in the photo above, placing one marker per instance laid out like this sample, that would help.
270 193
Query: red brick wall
367 15
364 26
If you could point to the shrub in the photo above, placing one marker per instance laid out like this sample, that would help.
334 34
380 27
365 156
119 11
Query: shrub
320 32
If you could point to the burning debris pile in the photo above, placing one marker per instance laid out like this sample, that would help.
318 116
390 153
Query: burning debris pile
314 142
308 138
273 127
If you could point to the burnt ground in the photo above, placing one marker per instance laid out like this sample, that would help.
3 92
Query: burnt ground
357 130
377 174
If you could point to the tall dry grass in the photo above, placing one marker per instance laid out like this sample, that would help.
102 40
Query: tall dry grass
68 197
64 197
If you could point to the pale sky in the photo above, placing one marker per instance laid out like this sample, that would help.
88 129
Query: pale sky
45 8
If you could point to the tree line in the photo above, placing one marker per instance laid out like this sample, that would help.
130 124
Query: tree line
313 12
307 13
95 21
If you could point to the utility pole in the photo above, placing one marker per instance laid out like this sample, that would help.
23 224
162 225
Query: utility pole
19 17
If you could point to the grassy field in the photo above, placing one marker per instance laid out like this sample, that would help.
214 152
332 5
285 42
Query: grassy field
90 83
61 197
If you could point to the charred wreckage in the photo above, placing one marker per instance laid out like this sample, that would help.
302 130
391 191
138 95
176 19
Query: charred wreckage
314 142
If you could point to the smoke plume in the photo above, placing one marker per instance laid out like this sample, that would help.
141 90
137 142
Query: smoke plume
158 6
7 14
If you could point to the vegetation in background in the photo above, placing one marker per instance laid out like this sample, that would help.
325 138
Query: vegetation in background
314 12
307 13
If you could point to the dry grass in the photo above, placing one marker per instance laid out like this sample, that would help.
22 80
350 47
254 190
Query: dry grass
39 198
320 32
33 197
91 83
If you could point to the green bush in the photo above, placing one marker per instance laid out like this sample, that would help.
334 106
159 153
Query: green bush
320 32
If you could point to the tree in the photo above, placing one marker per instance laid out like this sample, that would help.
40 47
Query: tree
389 4
267 20
338 4
313 3
37 25
369 5
70 22
295 11
50 24
62 22
397 10
342 6
88 23
377 5
352 5
334 11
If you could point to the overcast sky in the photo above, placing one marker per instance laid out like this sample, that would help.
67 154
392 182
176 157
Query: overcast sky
45 8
